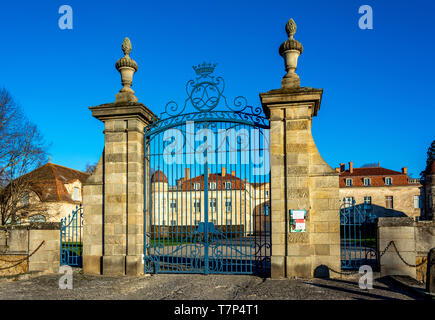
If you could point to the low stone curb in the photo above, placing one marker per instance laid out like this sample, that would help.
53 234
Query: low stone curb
412 285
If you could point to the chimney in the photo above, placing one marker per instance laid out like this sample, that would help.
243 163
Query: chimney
405 170
342 167
351 167
186 174
224 172
233 173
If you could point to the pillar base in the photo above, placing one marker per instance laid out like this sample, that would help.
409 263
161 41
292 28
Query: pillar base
299 267
113 265
92 265
134 265
277 267
291 82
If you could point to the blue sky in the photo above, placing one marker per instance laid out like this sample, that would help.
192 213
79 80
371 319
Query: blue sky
378 84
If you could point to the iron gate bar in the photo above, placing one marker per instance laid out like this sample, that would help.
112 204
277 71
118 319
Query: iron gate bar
71 245
238 238
357 228
172 244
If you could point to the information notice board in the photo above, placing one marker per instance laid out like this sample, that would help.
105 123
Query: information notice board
297 220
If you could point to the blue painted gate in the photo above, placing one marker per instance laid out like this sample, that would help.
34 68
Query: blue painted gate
71 244
207 184
358 233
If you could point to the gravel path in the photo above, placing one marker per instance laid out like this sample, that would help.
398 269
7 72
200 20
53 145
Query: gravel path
195 287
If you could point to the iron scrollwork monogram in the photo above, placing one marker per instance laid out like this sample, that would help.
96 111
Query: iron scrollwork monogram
205 94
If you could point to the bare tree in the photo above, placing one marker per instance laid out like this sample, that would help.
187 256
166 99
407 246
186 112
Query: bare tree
21 150
370 165
90 168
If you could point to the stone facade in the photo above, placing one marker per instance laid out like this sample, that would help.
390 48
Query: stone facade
403 199
406 194
300 179
113 202
235 201
113 195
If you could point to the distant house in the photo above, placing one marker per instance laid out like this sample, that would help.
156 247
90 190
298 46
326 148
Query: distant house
387 192
53 192
232 201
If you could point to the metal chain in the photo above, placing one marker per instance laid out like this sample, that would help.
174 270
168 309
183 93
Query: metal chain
21 260
401 258
380 255
344 273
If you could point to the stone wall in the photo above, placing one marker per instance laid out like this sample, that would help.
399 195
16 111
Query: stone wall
19 241
93 223
13 260
424 241
413 241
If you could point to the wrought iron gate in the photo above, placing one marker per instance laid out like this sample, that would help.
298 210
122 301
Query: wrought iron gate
71 244
358 233
207 206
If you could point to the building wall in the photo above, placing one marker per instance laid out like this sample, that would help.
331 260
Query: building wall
403 199
358 181
53 211
242 211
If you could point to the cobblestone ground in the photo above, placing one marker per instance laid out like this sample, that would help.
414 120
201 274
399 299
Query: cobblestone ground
193 287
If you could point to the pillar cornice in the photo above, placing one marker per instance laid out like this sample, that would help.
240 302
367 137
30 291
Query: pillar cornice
291 98
123 111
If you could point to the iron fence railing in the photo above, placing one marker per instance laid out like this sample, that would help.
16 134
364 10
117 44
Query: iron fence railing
71 245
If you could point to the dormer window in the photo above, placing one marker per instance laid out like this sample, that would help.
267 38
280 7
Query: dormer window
197 186
388 181
367 182
348 182
212 185
76 194
37 218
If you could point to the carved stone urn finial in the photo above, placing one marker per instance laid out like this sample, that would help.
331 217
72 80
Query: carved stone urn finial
126 46
290 50
127 67
291 28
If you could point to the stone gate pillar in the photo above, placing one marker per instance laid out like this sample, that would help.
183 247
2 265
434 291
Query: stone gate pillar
113 197
300 178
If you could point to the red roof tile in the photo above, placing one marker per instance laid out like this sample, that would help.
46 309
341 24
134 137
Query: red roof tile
159 176
49 181
370 171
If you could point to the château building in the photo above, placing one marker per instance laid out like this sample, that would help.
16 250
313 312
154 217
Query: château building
387 192
231 201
